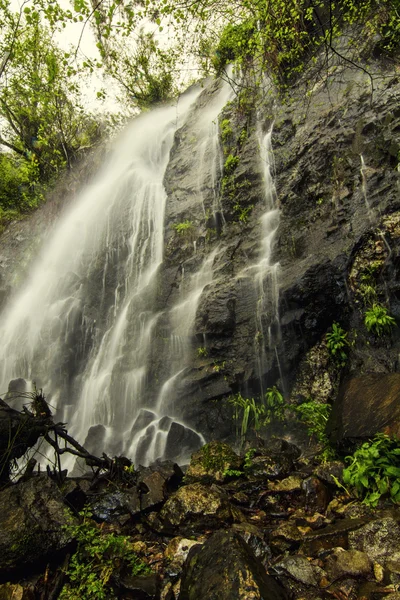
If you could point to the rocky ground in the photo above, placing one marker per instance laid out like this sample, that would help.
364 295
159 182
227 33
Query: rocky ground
271 524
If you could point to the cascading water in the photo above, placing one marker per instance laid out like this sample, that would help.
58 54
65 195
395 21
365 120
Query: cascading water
266 272
84 325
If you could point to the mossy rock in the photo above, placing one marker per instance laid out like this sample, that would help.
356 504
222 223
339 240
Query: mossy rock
212 462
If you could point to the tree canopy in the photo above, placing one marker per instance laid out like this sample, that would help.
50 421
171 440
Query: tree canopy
145 46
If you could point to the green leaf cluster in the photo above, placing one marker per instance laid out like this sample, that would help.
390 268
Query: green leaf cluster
255 413
184 227
374 470
378 321
98 557
337 343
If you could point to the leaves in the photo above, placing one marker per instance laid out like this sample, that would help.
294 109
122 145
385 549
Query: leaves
378 321
374 470
98 556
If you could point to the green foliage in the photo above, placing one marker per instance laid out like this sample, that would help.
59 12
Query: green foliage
235 42
337 343
374 470
231 164
232 473
274 405
183 228
98 556
315 415
20 190
378 321
248 458
202 351
247 411
256 413
226 129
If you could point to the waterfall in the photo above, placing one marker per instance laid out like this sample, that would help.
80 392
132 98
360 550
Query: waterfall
82 326
266 272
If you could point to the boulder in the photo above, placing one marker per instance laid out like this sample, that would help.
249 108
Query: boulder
347 563
211 462
196 507
365 406
32 520
379 539
15 591
225 568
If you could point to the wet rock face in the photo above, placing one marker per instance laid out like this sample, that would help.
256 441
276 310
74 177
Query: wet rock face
225 568
365 406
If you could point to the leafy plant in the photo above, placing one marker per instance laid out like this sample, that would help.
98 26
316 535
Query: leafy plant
377 320
336 341
226 129
254 413
374 470
274 405
248 411
96 559
184 227
248 458
202 351
230 164
232 473
315 415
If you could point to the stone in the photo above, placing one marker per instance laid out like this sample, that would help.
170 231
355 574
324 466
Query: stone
269 467
116 506
379 539
300 569
327 471
365 406
211 462
15 591
144 587
32 520
225 568
330 536
293 483
317 495
348 563
176 553
196 507
285 537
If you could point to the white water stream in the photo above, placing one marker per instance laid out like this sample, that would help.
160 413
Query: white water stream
83 325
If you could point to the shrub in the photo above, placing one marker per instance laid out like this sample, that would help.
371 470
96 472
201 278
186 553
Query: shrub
377 320
374 470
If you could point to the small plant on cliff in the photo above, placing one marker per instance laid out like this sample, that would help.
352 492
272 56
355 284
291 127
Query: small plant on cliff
377 320
184 227
337 343
202 352
230 164
98 557
226 129
374 470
